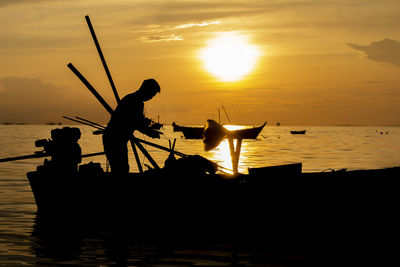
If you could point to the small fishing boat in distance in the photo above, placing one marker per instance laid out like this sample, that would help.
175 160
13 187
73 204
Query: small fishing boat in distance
298 132
189 132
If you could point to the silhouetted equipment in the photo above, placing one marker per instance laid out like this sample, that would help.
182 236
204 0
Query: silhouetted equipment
298 132
192 164
63 148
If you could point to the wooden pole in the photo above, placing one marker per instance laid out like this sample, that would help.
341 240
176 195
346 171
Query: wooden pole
161 147
103 60
88 121
91 88
82 122
145 152
235 153
42 155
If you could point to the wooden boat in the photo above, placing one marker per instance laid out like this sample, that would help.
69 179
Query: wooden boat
248 133
298 132
189 132
271 204
197 132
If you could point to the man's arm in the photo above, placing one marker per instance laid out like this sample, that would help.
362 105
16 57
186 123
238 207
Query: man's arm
148 130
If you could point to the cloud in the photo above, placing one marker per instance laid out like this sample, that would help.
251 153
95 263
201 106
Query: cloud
386 50
157 33
161 38
14 2
28 99
201 24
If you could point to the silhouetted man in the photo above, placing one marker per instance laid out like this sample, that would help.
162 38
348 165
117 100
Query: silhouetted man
126 118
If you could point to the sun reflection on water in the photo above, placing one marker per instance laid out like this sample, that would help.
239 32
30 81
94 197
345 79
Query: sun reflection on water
222 156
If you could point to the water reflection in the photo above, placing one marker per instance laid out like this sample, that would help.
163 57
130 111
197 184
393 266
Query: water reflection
222 155
55 243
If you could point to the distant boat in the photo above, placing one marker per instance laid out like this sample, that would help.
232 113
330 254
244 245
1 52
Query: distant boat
298 132
248 133
189 132
197 132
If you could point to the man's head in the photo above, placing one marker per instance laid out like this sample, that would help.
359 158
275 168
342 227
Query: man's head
149 89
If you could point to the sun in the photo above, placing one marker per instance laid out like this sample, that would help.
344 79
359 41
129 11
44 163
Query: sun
229 57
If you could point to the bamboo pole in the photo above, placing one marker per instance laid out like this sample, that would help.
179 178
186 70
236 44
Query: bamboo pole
42 155
94 123
91 88
82 122
103 60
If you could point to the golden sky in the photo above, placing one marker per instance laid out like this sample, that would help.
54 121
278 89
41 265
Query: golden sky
320 62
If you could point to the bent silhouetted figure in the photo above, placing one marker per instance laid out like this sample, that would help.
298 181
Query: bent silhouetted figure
126 118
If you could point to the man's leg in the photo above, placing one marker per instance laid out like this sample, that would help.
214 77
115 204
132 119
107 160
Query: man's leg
117 154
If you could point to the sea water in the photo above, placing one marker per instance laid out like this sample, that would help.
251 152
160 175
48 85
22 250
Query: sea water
321 148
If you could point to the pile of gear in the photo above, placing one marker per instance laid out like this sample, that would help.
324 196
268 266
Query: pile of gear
63 148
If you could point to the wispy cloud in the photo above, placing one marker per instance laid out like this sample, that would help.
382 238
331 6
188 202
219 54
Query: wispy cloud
158 33
161 38
201 24
386 50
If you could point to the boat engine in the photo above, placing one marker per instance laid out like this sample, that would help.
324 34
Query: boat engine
63 148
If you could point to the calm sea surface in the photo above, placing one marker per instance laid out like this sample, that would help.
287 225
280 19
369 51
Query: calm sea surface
321 148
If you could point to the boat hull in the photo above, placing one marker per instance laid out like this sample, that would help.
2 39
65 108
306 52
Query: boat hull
278 203
298 132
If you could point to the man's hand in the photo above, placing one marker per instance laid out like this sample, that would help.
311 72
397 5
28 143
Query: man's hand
152 133
147 122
